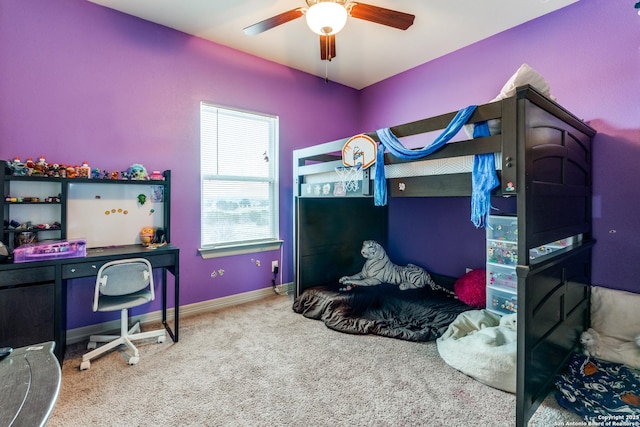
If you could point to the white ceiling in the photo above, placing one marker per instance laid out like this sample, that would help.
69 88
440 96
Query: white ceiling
366 52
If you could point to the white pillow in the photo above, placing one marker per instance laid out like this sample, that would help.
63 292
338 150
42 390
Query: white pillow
524 76
615 313
612 349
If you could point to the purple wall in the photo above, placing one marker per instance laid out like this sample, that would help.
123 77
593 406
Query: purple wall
79 81
589 53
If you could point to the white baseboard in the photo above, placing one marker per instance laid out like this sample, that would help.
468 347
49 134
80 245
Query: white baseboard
83 333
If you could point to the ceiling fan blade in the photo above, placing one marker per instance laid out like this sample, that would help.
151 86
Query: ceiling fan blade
327 47
380 15
274 21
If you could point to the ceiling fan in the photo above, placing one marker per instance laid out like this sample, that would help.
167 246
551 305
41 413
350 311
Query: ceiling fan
328 17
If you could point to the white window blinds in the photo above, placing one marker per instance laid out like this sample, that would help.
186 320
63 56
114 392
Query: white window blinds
238 170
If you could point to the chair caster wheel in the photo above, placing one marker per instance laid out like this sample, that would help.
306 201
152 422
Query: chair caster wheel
85 365
161 339
92 344
133 360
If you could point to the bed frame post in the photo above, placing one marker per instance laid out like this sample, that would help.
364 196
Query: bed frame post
554 202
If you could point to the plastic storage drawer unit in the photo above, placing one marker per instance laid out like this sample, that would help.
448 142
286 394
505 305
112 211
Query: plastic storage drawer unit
502 258
504 277
501 301
502 228
502 252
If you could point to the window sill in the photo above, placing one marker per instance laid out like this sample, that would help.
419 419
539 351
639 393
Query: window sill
245 248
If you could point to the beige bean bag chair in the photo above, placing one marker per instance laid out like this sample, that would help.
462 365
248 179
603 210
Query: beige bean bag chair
482 345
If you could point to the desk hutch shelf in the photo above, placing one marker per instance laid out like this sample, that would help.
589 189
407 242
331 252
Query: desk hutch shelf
33 294
38 205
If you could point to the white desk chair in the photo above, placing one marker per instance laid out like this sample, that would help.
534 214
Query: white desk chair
120 285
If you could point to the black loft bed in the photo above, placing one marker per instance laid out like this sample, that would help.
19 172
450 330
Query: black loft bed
544 160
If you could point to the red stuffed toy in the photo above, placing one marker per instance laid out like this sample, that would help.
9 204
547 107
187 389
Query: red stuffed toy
471 288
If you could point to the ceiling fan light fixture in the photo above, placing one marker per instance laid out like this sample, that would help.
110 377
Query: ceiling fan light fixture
326 18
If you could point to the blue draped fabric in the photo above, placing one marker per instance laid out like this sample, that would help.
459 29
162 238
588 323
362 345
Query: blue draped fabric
483 180
379 180
483 168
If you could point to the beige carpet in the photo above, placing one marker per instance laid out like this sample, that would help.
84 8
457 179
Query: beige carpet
261 364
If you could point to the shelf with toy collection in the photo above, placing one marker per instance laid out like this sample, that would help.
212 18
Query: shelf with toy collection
32 209
47 206
35 201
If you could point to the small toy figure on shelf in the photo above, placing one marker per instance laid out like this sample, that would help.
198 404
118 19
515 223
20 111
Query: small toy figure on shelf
137 172
25 226
71 172
115 174
29 165
146 235
95 173
85 170
40 168
156 176
52 170
18 168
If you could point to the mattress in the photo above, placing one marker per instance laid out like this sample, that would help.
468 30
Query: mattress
411 315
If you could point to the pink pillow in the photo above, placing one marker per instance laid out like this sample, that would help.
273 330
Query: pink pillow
471 288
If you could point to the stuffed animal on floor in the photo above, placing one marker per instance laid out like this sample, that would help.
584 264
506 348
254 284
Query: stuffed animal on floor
510 321
590 341
379 269
611 349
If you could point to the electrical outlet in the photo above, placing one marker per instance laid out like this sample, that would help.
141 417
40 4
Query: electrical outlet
274 265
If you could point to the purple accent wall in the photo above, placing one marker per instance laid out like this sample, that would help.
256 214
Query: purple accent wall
442 243
589 53
82 82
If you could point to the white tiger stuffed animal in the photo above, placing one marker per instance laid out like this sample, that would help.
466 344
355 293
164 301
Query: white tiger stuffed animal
379 269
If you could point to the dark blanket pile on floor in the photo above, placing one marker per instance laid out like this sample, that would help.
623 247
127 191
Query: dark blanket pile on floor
412 315
603 393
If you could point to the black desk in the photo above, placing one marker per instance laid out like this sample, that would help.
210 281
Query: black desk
33 303
29 386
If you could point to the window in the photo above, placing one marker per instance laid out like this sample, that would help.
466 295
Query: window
239 185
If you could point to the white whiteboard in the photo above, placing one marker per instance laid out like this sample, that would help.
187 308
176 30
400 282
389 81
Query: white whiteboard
111 215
